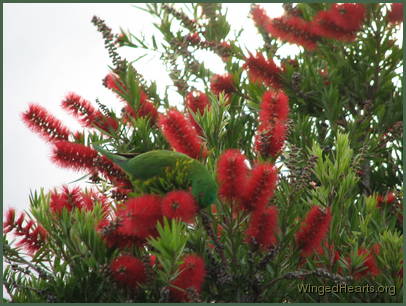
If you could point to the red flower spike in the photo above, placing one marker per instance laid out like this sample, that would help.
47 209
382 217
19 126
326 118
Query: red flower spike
128 271
370 267
270 139
179 204
8 224
68 199
262 70
313 230
33 235
260 17
192 274
263 227
197 101
20 220
294 30
79 108
105 123
146 110
47 126
80 157
112 82
87 114
139 216
274 106
232 174
111 171
113 238
74 155
260 187
222 84
348 16
89 200
340 22
181 135
395 15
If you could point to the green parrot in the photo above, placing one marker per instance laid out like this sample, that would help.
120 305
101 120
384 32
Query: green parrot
164 171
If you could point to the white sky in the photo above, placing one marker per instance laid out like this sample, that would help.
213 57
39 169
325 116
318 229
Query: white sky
52 49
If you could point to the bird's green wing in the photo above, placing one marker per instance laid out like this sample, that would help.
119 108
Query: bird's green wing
155 163
145 165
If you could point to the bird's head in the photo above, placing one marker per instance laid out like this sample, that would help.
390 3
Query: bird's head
204 189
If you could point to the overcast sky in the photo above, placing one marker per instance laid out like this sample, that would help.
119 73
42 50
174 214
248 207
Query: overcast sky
52 49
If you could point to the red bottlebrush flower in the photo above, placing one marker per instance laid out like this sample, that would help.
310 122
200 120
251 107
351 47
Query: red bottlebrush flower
146 110
68 199
8 224
179 204
139 216
263 227
222 84
262 70
105 123
340 22
197 101
87 114
260 17
75 198
369 267
90 198
313 230
113 239
232 174
79 108
111 171
348 16
128 271
33 235
80 157
395 15
294 30
181 135
274 106
260 187
191 275
270 139
47 126
325 28
74 155
112 82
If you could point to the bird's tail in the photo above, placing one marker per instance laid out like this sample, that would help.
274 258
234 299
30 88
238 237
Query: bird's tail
120 161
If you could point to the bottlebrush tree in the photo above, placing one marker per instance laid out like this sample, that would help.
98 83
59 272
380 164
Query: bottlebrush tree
305 152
